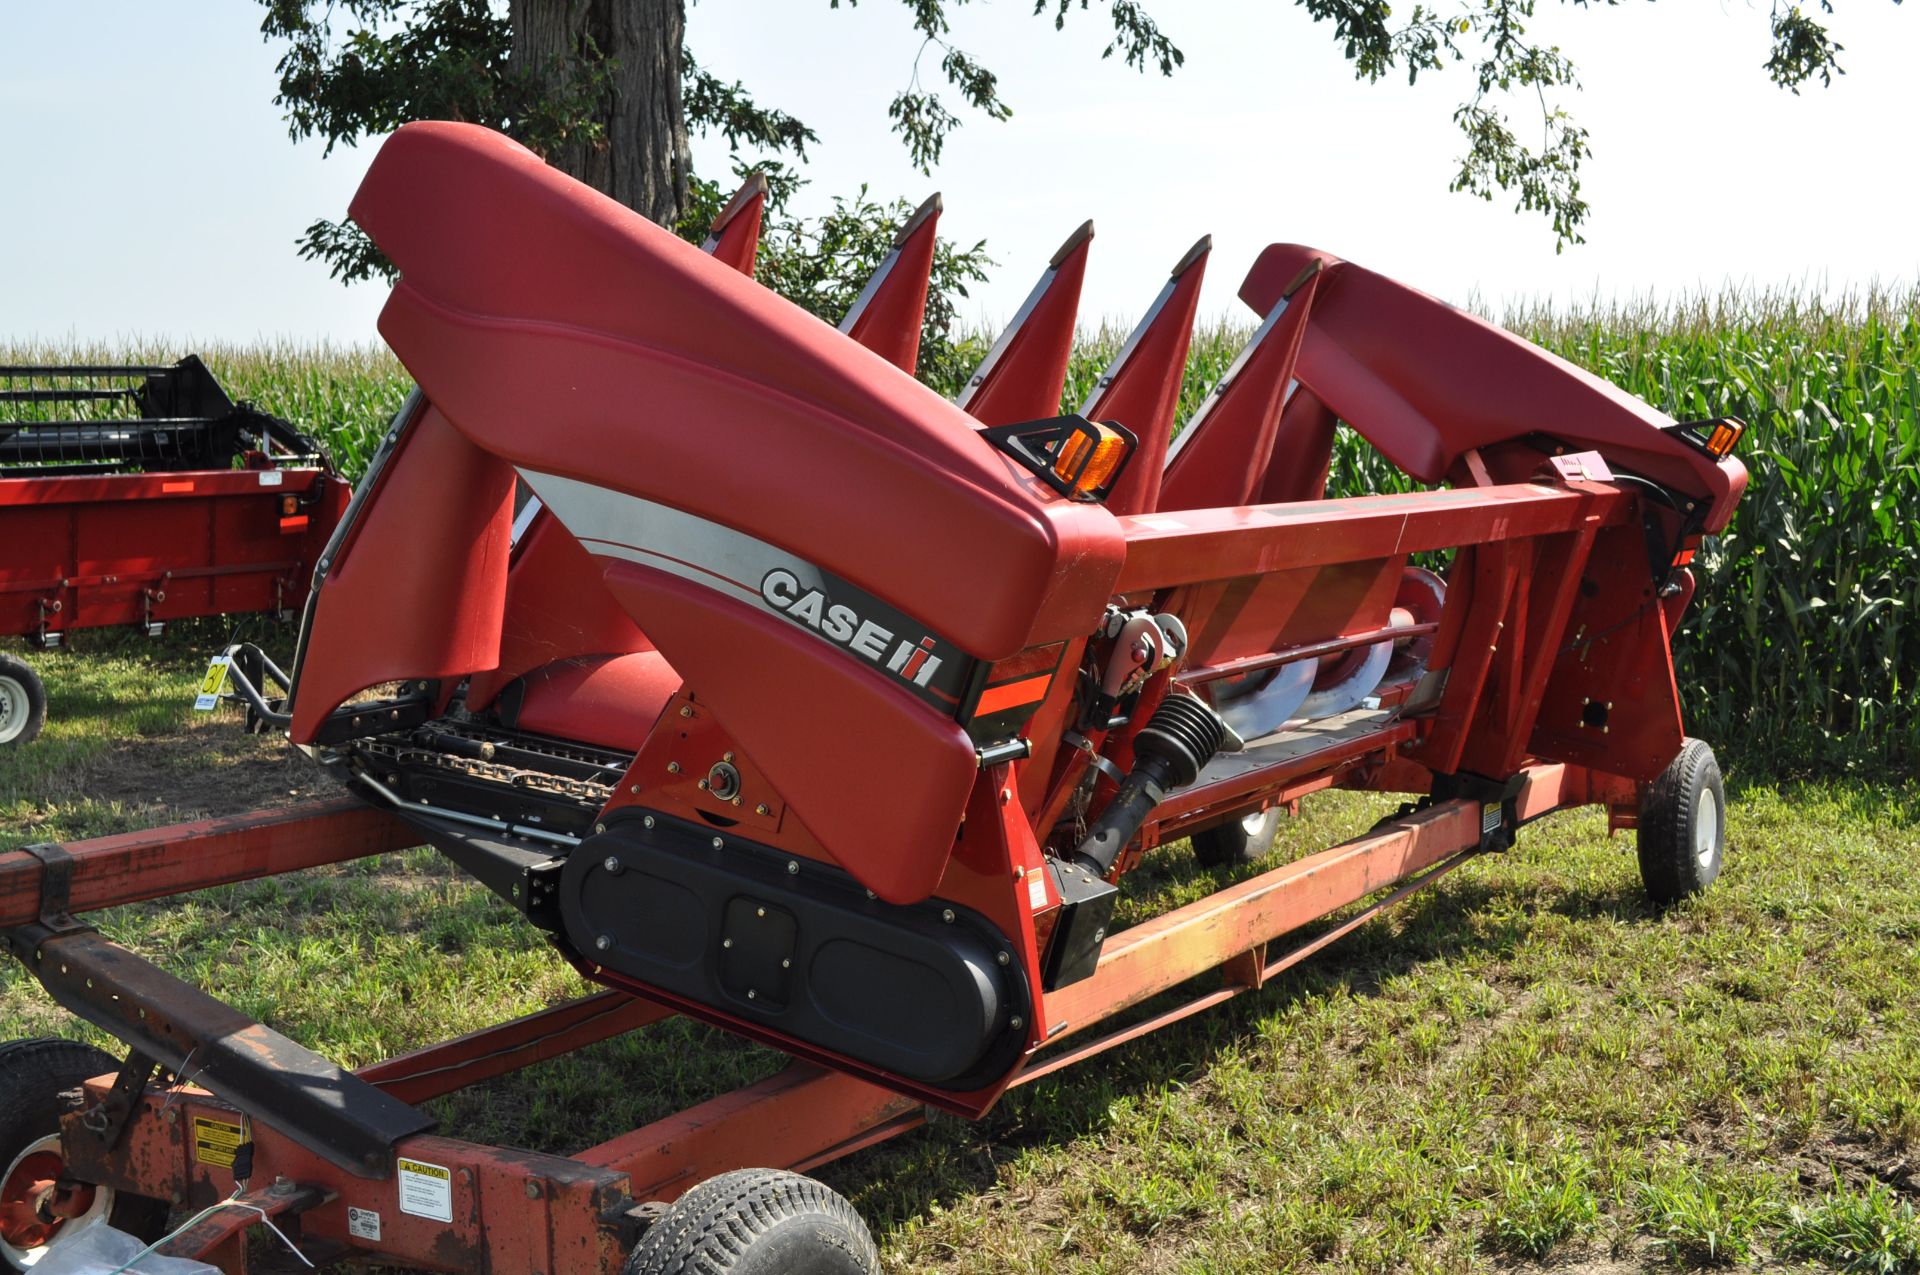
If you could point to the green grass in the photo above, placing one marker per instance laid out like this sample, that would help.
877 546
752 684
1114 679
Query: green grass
1870 1231
1525 1065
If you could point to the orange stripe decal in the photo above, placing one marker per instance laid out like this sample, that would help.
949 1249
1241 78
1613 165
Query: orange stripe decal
998 698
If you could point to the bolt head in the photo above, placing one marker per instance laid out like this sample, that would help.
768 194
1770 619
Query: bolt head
599 827
786 963
946 914
701 785
533 1190
611 864
604 942
1016 1022
752 995
761 809
673 768
719 843
646 821
686 710
1006 796
726 756
793 870
725 943
1004 958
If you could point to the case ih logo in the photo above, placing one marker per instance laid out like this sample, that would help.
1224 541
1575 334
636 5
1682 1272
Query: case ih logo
911 660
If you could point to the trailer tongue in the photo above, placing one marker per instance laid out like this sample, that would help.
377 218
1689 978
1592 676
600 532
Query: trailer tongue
804 702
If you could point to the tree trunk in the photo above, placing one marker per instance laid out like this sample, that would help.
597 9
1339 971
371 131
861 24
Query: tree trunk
643 160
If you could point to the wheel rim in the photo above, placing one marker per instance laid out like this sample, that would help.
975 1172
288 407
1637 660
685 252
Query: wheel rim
1254 824
13 709
29 1190
1706 828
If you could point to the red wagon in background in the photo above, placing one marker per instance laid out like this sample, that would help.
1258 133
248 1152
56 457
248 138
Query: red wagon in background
139 495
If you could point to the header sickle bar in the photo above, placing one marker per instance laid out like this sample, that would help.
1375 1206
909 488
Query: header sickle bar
887 316
1220 459
1023 376
1141 387
735 235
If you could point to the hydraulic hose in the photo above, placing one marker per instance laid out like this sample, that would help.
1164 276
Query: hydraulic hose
1181 737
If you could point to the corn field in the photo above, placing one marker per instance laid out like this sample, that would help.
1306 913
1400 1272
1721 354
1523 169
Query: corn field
1802 650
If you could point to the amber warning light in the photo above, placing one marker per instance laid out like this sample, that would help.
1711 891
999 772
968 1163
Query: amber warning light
1716 437
1078 458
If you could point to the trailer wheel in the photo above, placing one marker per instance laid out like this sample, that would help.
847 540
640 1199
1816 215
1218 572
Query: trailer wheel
23 701
757 1222
1237 841
35 1204
1683 826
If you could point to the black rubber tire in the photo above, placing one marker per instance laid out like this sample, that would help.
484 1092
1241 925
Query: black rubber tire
23 702
757 1222
33 1075
1243 839
1683 826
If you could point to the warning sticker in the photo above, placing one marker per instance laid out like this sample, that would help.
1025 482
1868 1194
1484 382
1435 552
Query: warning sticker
363 1224
213 683
1036 888
272 478
215 1141
426 1190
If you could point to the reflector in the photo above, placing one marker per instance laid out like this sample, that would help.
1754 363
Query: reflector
1087 460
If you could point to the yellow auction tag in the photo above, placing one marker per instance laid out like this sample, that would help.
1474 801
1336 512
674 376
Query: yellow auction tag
214 684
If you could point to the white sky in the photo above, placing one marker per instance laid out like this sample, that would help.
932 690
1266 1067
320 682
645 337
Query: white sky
152 191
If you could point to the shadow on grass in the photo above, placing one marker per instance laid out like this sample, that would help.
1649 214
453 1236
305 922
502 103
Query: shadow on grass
954 1159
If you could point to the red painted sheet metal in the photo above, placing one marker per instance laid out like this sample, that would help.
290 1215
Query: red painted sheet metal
192 484
1302 451
419 588
517 315
82 551
1426 382
1192 546
609 700
1024 374
887 315
1141 388
819 728
735 236
557 607
1221 458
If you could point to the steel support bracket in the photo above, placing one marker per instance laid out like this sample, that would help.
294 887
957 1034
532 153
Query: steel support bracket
56 887
108 1121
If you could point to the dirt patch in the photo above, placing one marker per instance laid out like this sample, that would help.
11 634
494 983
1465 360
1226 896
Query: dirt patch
211 768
